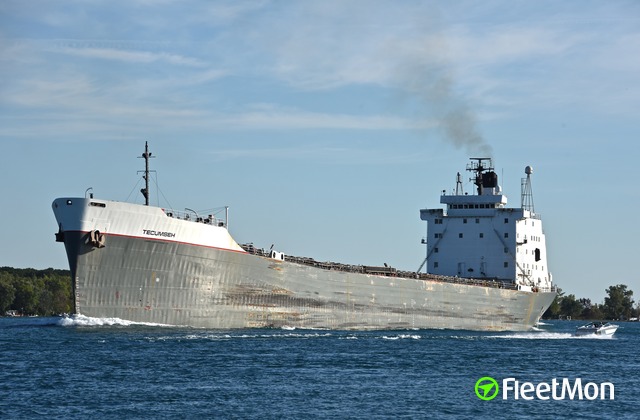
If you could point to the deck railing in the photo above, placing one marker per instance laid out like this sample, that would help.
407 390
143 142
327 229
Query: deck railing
209 219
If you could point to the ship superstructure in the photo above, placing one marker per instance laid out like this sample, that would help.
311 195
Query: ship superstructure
478 236
148 264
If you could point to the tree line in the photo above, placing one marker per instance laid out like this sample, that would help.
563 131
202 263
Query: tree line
618 305
27 291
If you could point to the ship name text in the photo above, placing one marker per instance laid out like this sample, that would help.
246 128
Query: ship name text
158 233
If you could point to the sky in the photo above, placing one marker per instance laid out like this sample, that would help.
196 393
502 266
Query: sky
326 126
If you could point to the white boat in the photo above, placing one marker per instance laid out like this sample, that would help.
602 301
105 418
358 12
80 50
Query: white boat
597 328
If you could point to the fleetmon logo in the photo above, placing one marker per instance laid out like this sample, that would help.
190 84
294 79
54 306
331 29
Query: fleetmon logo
487 388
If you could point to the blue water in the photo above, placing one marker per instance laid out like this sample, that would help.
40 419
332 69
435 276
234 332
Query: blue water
81 368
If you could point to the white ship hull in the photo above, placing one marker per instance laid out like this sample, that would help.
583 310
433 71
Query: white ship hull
145 266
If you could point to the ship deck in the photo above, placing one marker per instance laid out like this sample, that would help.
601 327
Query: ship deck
387 271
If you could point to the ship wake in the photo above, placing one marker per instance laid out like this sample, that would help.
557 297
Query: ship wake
87 321
546 335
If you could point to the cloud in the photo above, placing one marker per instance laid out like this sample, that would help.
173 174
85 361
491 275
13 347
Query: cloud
210 63
273 117
129 56
340 155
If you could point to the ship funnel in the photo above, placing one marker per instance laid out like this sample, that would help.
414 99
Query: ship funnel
484 177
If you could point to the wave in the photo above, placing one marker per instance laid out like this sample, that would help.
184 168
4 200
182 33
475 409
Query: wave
223 336
545 335
20 322
401 337
87 321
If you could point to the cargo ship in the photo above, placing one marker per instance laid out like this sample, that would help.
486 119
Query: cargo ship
485 268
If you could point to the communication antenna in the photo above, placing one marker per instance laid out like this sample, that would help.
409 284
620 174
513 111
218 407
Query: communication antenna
478 167
459 190
526 196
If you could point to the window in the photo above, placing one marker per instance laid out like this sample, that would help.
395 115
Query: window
477 220
459 235
464 220
435 264
506 234
506 250
506 264
438 235
506 220
435 250
481 235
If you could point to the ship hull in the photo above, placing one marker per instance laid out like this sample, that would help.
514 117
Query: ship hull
173 283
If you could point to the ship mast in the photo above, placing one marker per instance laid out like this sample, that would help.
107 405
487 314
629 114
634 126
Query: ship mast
526 193
145 191
478 168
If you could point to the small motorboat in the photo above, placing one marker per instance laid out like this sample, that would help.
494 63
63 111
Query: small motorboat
597 328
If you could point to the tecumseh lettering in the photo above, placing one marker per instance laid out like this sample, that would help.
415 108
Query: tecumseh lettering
158 233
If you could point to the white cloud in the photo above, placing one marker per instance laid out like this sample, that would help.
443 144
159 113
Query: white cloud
130 56
490 68
294 119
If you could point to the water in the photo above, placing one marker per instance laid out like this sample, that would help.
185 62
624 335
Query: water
82 367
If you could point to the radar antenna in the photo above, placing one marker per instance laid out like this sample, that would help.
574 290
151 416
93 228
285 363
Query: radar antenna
479 168
526 196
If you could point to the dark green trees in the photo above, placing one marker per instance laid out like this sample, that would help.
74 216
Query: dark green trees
35 292
618 305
